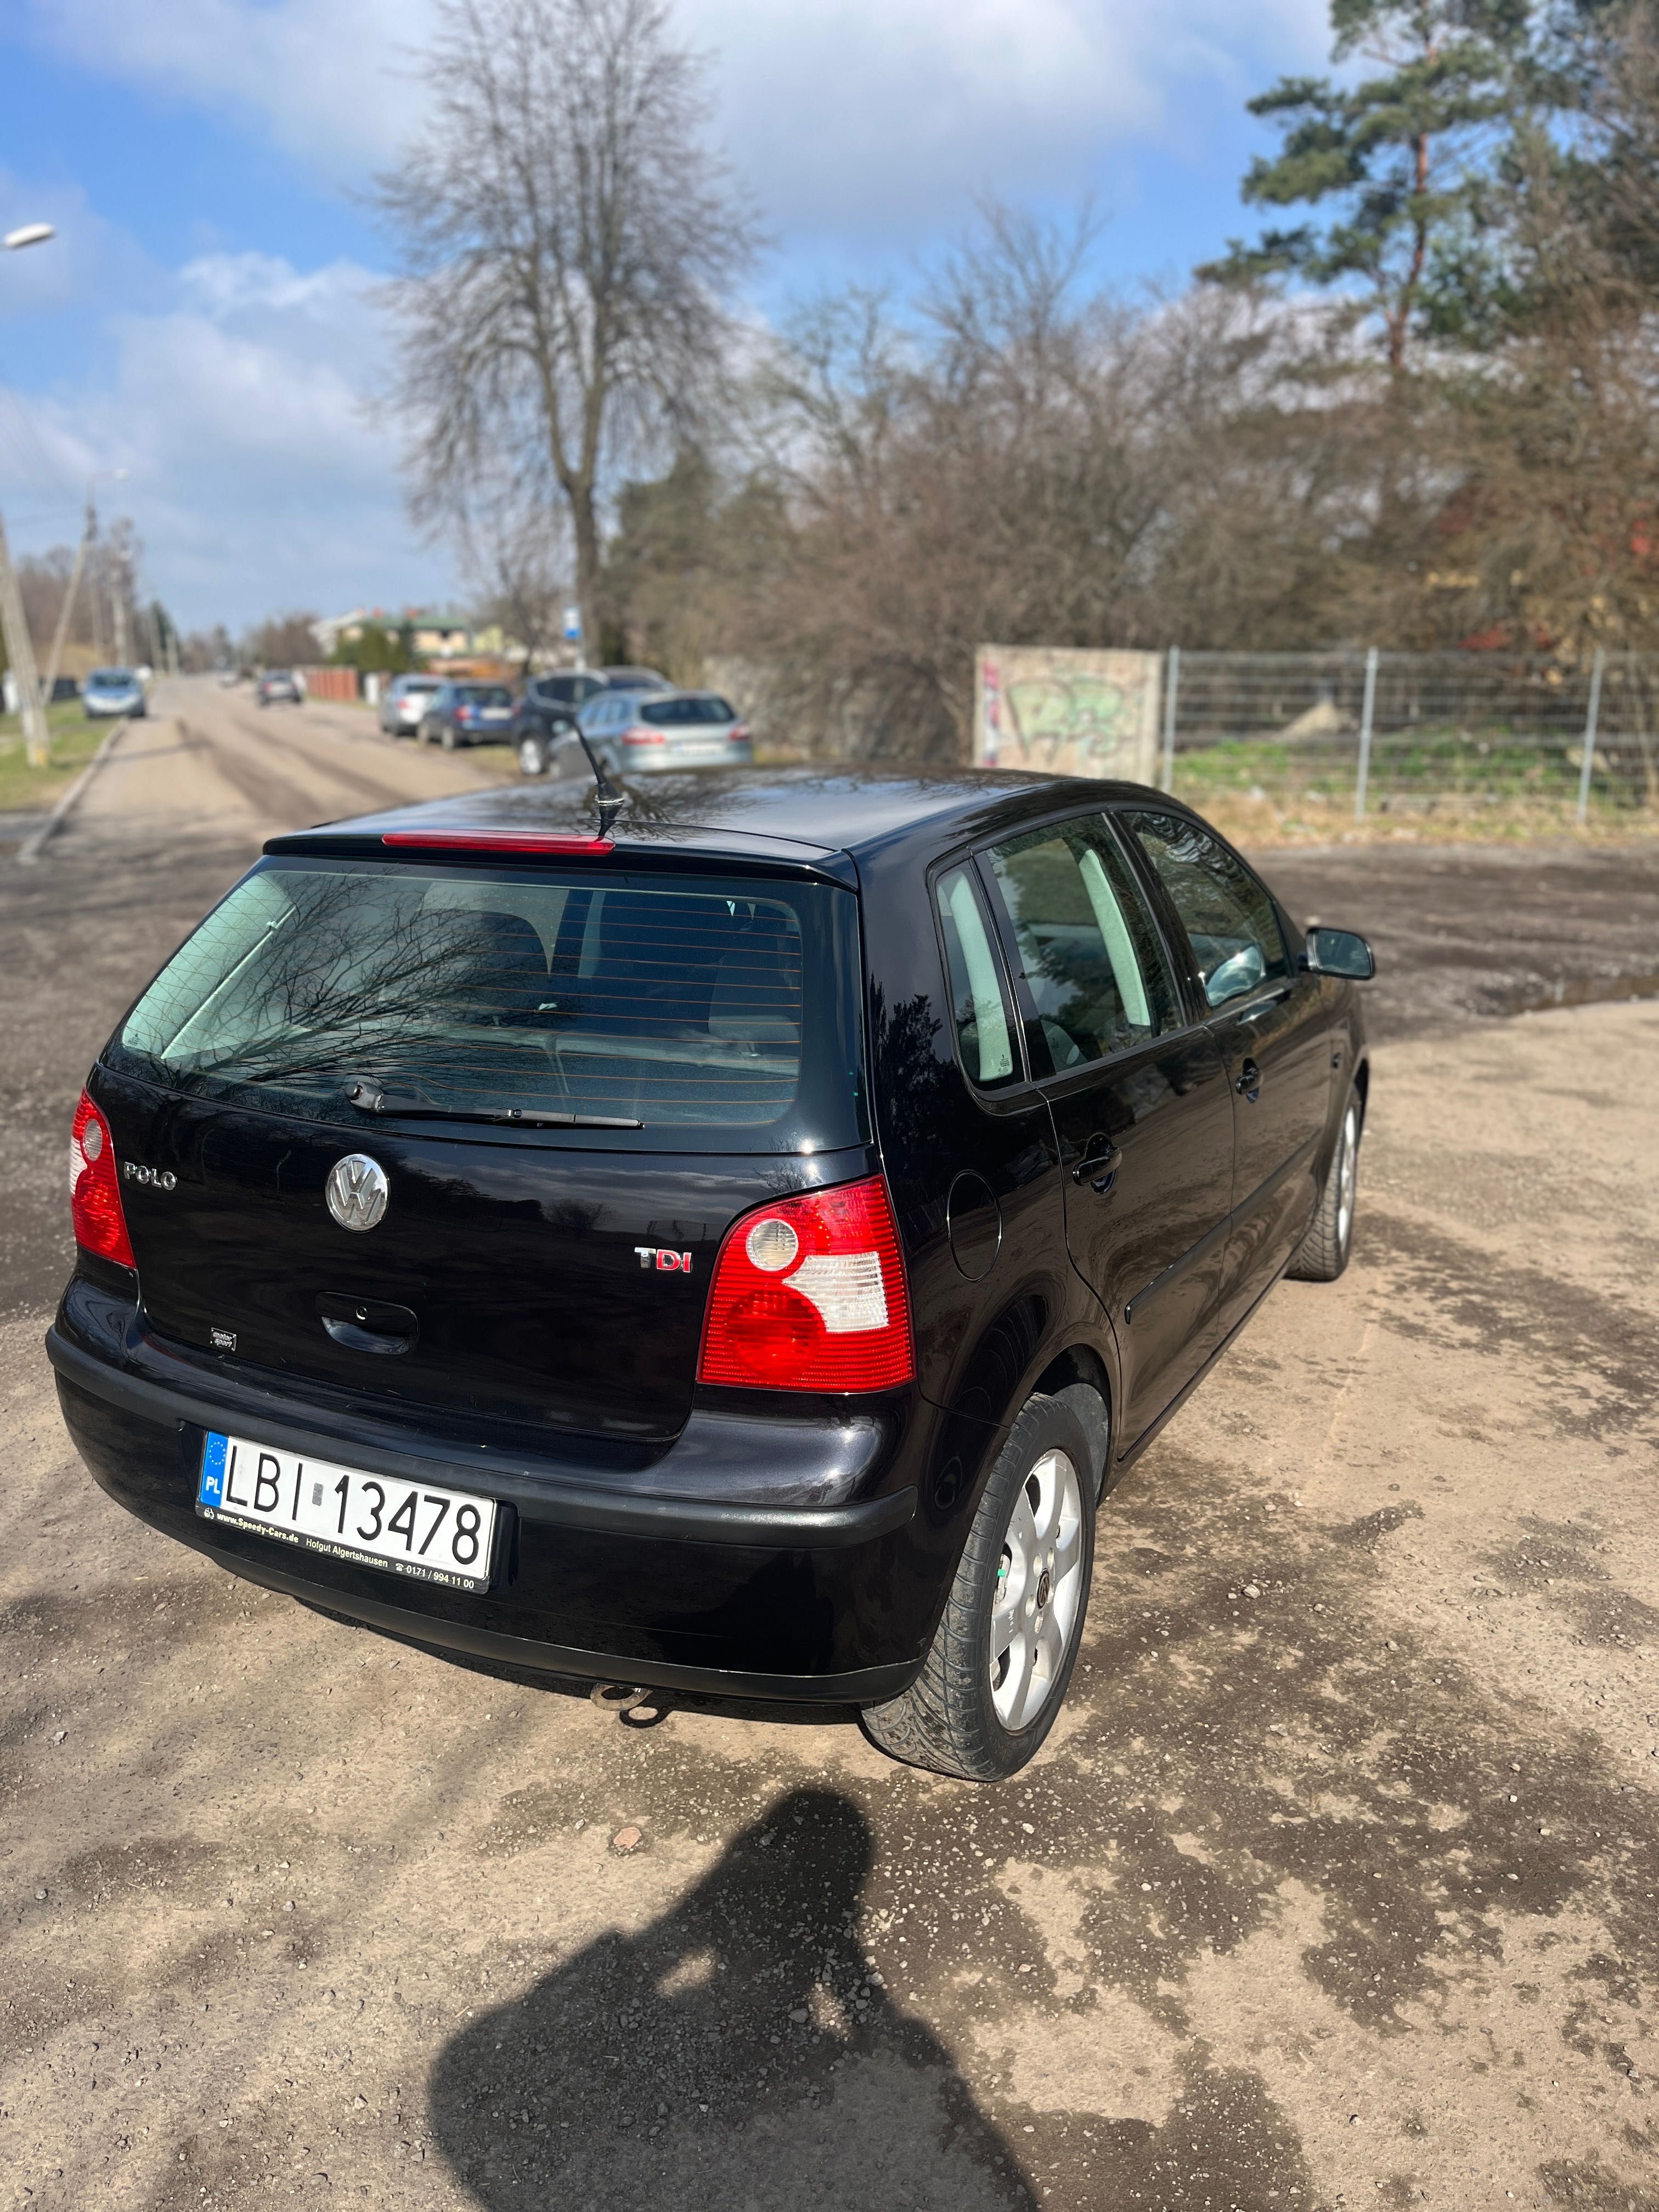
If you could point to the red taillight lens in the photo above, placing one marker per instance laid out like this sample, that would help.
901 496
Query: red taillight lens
810 1294
643 738
739 733
94 1191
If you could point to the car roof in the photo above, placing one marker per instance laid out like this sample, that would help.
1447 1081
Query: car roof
804 817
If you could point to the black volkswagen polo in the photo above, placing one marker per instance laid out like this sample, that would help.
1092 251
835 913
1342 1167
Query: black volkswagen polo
734 1249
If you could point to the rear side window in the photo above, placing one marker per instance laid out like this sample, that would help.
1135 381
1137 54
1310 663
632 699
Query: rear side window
1228 916
1087 945
716 1015
978 1008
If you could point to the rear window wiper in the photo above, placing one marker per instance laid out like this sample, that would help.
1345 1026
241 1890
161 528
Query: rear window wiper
370 1098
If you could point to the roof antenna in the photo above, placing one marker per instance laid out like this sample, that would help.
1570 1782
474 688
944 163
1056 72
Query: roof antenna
608 797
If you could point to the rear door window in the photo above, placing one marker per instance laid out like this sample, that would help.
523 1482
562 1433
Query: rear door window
1085 942
691 1012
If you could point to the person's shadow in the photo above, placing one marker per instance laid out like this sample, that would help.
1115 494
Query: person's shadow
735 2056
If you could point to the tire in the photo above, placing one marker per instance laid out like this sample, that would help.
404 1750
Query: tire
532 754
976 1710
446 737
424 733
1324 1252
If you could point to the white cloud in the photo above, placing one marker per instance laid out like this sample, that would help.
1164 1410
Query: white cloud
254 474
863 114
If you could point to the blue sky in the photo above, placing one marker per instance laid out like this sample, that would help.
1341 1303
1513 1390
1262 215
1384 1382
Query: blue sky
206 317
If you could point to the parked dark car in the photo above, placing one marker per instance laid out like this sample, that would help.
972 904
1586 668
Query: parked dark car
279 685
733 1252
466 712
546 715
633 679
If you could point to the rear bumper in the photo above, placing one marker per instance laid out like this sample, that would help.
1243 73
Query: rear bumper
804 1581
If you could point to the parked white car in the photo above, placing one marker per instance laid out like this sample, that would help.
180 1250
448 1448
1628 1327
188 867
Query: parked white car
402 704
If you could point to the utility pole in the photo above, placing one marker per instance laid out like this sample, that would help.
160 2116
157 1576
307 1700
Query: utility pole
20 653
68 608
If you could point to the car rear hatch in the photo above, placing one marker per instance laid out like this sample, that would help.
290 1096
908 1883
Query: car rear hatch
677 1048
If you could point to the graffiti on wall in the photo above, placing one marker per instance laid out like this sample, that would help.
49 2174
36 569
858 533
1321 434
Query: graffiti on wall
1066 711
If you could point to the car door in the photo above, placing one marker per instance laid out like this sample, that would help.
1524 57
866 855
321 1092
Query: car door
1138 1095
1270 1021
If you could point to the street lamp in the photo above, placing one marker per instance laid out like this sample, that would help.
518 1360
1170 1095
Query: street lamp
19 651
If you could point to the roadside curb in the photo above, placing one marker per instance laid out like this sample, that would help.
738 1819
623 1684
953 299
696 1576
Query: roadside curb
30 851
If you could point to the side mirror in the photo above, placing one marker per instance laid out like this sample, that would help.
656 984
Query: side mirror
1339 952
1242 971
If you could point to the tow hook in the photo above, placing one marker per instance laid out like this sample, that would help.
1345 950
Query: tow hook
618 1697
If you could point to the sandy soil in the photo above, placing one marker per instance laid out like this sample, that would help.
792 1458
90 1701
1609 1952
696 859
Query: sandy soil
1335 1886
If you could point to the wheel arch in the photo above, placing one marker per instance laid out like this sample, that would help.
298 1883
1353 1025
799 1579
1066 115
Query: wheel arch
1079 1375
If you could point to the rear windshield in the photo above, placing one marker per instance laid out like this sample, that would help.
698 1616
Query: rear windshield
484 695
718 1015
683 713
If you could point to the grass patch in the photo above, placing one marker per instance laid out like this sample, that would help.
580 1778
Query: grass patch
73 742
1428 784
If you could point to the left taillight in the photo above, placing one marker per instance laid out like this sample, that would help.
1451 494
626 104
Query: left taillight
95 1187
809 1294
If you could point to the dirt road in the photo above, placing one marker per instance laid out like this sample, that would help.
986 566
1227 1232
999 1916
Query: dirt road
1336 1885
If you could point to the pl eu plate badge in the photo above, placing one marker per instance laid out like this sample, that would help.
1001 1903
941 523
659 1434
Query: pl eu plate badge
212 1489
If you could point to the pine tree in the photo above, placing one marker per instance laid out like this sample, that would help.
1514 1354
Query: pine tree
1396 164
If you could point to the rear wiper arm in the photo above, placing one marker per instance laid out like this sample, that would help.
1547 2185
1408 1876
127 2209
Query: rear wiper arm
369 1098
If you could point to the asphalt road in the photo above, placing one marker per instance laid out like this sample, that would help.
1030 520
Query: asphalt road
1335 1885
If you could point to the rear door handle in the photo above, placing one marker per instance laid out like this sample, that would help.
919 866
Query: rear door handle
1248 1083
1099 1165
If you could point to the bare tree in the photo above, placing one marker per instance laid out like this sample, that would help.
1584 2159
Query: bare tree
517 558
568 241
286 640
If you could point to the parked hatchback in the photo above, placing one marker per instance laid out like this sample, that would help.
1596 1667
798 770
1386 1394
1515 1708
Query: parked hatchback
466 713
733 1254
657 732
111 691
403 701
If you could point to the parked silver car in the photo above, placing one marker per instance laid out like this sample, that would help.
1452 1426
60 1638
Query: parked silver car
111 691
402 704
657 732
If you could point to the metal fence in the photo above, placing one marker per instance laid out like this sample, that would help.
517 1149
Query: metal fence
1342 735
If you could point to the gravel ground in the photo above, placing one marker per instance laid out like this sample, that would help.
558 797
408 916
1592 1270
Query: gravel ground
1335 1884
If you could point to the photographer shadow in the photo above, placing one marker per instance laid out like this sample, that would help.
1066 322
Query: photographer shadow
740 2054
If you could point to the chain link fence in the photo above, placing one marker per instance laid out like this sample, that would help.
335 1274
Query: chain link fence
1350 736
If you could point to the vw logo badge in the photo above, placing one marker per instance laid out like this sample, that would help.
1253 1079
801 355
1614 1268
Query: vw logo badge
356 1191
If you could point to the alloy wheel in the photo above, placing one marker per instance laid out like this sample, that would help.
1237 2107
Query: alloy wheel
1039 1592
1347 1176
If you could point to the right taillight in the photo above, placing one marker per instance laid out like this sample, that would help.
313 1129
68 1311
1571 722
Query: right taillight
95 1189
809 1294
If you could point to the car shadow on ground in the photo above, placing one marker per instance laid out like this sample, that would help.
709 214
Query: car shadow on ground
738 2052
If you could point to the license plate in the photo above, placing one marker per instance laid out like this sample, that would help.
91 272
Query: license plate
414 1529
